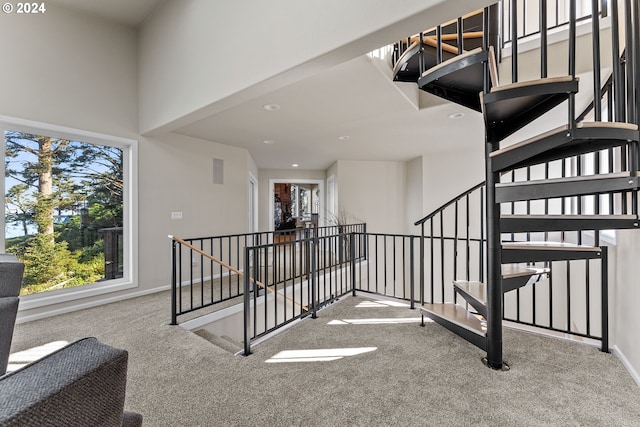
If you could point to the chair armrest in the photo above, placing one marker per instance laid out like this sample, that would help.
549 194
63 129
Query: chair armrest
81 384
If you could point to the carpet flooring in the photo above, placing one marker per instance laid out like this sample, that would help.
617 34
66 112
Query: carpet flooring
362 362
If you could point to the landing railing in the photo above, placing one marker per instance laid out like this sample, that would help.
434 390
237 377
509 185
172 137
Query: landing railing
381 264
457 227
451 38
198 283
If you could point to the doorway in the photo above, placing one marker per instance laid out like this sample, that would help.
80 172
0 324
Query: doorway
296 203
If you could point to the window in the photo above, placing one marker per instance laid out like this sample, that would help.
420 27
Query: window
69 214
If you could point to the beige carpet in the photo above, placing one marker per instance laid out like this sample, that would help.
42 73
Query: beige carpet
405 374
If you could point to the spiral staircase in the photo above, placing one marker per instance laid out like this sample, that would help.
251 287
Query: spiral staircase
460 63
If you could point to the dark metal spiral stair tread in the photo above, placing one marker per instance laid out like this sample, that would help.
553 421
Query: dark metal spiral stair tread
563 129
545 246
571 217
457 315
475 293
449 62
625 174
537 223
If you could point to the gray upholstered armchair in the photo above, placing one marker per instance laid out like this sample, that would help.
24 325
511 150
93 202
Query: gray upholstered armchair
11 271
82 384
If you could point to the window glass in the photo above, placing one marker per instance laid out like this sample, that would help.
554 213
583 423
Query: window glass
64 211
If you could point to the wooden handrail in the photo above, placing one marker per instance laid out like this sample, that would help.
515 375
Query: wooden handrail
431 41
467 35
235 270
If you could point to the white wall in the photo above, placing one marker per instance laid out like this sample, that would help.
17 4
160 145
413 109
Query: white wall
195 54
413 193
70 70
625 314
448 174
63 68
373 192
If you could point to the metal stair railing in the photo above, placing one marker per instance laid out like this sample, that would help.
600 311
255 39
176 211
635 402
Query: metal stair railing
436 245
455 37
201 284
374 263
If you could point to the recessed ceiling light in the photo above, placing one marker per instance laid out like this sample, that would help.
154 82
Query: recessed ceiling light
456 115
271 107
295 165
268 141
344 137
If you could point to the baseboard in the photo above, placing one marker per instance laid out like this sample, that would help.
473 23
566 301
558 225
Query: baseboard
77 307
634 374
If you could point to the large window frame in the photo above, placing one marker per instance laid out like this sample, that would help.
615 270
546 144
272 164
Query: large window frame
129 149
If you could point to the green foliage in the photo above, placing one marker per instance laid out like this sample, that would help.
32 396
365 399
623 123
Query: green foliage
90 253
49 265
45 262
81 185
17 246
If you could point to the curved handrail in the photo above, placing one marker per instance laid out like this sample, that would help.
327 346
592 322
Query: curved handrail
449 203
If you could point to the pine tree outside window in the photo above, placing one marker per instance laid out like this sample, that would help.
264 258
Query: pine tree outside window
68 210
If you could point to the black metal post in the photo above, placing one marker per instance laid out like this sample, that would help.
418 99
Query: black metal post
438 44
431 271
494 248
514 41
422 264
630 63
314 306
636 62
636 37
411 273
247 302
421 64
618 84
455 244
595 38
482 228
494 267
468 253
442 280
604 298
543 38
572 61
460 36
353 264
174 284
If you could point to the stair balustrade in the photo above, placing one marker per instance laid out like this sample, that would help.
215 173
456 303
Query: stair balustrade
207 271
565 185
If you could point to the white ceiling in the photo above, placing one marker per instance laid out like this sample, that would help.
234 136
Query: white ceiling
356 99
127 12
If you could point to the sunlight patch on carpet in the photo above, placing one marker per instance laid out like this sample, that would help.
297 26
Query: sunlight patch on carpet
317 355
22 358
380 303
376 321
